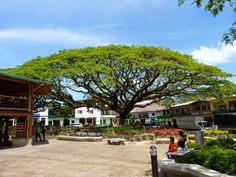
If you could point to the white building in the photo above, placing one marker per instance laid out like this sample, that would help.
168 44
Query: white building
94 116
41 117
84 115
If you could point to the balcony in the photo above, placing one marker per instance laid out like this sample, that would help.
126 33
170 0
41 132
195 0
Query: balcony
13 103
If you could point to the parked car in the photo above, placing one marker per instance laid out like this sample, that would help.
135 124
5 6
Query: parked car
77 125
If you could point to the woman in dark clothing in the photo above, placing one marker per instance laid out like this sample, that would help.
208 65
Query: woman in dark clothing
181 141
43 131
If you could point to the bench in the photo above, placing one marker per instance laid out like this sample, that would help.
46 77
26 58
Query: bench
116 141
175 155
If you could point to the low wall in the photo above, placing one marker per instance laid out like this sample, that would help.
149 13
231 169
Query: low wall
168 168
162 140
79 138
21 142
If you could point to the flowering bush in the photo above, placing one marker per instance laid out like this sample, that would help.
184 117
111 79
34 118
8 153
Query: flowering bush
164 132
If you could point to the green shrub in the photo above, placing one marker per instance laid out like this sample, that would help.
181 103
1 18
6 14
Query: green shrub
191 144
232 154
225 143
216 132
192 157
210 143
217 154
218 159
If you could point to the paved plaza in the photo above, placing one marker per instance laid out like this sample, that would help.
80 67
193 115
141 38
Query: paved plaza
82 159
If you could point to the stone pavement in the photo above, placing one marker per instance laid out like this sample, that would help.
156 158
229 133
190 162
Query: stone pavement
78 159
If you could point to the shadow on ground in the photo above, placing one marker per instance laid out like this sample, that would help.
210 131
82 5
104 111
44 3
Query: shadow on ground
35 143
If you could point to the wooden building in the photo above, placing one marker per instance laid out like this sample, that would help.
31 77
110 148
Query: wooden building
16 101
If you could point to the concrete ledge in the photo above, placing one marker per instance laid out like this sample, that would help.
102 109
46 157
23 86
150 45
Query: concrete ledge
171 169
162 141
116 141
79 138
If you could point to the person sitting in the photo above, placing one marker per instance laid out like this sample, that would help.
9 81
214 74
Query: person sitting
181 141
172 146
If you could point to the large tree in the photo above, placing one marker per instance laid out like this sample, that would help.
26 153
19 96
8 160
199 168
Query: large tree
120 76
214 7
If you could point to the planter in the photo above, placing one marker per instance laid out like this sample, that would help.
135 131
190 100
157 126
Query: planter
80 138
162 141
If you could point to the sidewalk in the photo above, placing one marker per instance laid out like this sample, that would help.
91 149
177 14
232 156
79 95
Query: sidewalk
82 159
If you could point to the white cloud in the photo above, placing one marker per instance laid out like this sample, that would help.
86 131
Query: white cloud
49 35
215 55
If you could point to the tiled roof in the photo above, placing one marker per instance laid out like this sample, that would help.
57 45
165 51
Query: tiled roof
3 74
150 108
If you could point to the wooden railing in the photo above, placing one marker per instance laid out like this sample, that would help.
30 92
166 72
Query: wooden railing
20 130
14 103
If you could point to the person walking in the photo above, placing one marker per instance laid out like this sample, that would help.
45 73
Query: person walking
43 131
38 133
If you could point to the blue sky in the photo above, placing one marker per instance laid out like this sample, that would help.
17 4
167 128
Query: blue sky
31 28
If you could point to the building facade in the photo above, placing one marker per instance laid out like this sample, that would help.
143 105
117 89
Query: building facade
94 116
224 112
41 116
84 115
187 115
147 113
16 100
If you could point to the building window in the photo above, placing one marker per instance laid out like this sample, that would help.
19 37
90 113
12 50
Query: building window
222 108
198 108
232 106
79 112
104 122
90 111
208 107
203 108
153 114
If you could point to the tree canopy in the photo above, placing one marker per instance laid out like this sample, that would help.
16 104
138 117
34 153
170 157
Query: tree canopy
214 7
120 76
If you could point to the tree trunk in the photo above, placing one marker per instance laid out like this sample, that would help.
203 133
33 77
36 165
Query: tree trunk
122 119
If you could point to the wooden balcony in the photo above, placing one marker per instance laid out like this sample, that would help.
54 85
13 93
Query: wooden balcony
14 103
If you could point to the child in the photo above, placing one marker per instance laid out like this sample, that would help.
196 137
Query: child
172 146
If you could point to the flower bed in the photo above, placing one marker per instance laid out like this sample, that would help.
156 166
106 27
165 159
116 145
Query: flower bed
89 134
164 132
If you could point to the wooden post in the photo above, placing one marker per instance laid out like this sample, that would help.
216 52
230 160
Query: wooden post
1 129
6 133
30 116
